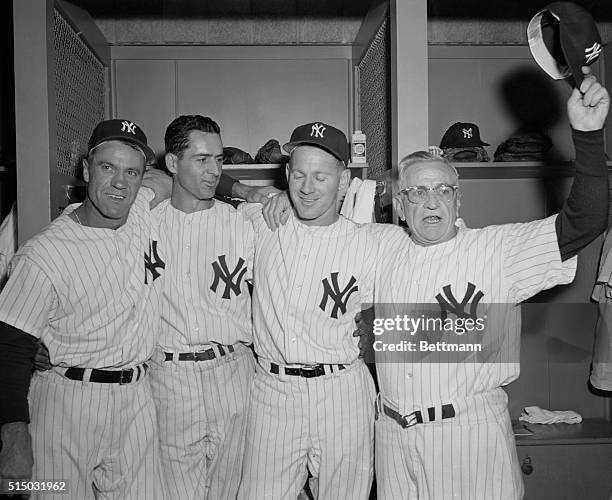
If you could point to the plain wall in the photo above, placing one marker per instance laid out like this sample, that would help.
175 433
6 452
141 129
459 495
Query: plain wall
254 93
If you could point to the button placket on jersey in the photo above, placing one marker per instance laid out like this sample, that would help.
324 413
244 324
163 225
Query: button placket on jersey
290 340
190 282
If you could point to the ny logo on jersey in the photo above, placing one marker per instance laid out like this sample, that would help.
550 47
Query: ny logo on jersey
152 262
317 130
128 127
448 302
232 279
340 297
467 133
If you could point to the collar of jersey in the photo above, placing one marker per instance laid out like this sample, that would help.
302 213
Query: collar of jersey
340 227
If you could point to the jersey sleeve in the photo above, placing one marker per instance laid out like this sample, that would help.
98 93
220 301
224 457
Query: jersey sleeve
248 238
29 299
253 213
532 261
382 238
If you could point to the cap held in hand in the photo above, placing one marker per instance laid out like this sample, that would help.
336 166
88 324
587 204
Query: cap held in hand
563 37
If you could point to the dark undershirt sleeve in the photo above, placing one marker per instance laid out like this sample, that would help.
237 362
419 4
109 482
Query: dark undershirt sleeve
584 215
17 351
225 186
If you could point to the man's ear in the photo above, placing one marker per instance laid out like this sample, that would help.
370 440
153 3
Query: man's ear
458 202
287 170
345 180
399 208
85 170
171 160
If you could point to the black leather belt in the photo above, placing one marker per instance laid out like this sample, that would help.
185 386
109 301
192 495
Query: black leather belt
206 355
416 417
309 371
108 376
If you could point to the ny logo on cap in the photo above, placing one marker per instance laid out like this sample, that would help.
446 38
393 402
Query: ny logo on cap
592 52
467 133
128 127
317 130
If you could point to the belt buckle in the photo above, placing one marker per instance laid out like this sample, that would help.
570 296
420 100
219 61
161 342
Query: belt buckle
311 371
126 376
410 419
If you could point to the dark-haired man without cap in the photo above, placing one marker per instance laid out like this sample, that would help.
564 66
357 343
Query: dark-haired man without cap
202 372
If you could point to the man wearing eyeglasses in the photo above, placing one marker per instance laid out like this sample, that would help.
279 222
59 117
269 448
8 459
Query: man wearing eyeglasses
443 429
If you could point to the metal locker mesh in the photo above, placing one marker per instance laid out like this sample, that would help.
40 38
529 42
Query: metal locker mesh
79 95
375 101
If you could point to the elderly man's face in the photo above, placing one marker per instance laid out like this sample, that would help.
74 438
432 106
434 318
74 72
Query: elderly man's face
432 221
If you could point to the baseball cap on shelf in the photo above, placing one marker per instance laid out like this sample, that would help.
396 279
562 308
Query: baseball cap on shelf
323 136
462 135
563 37
121 130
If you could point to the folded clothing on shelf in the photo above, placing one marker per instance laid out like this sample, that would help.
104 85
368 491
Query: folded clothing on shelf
531 146
466 154
235 156
537 415
271 152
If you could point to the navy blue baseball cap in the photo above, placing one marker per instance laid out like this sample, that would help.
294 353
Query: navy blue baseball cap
321 135
563 37
121 130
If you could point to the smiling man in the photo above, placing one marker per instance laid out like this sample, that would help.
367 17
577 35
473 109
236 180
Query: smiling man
202 371
87 287
313 398
444 431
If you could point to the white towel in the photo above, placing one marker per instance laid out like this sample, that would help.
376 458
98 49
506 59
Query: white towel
537 415
363 211
358 203
348 204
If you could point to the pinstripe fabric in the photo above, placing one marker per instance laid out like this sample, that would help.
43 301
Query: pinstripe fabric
508 264
202 410
99 438
202 406
322 424
309 282
88 294
440 461
82 291
199 308
294 320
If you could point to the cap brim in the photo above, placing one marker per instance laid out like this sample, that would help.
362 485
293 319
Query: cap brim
148 152
540 52
290 146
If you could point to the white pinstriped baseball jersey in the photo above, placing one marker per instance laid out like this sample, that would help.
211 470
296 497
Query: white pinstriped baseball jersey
507 264
206 298
318 277
88 310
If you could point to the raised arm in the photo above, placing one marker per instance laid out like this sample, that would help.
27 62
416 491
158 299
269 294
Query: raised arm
585 213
